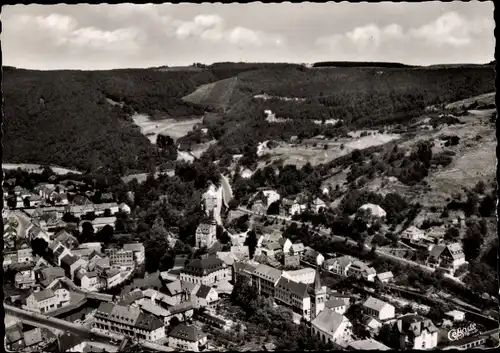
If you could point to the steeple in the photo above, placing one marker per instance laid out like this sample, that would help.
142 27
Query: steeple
317 281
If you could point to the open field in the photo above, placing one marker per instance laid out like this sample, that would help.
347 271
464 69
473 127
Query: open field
300 154
170 127
483 99
37 168
216 94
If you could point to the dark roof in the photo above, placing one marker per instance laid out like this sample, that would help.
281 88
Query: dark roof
297 288
148 322
334 303
69 260
203 291
204 266
187 333
13 333
216 247
413 325
44 295
131 297
68 341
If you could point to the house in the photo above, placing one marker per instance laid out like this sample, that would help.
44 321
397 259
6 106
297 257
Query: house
14 338
287 245
187 338
265 278
80 200
385 277
208 271
332 294
336 304
412 234
449 257
112 277
318 205
58 251
25 254
270 248
367 344
206 296
138 251
271 196
66 239
123 207
360 269
89 281
379 309
206 234
415 332
312 256
330 326
325 191
130 321
305 275
25 279
210 199
297 249
456 315
339 265
43 301
372 324
70 264
47 275
33 337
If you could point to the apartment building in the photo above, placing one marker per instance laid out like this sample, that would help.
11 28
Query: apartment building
208 271
129 321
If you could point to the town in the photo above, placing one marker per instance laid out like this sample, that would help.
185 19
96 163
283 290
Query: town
64 259
182 177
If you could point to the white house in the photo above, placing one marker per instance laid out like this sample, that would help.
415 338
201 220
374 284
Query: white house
187 338
385 277
312 256
379 309
336 304
371 212
332 326
47 300
413 234
339 265
318 204
360 269
416 332
206 296
271 196
246 173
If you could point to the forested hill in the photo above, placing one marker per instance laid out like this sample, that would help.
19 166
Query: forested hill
66 117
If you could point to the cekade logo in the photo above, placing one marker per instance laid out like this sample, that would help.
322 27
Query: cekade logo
459 333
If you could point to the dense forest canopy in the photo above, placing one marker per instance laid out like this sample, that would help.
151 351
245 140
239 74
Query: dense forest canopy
81 119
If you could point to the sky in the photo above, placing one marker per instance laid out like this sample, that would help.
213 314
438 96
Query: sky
92 37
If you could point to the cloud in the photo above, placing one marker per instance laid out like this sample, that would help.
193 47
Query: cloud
452 29
449 30
63 30
212 27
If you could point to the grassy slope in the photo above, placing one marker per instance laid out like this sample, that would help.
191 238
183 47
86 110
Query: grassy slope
217 94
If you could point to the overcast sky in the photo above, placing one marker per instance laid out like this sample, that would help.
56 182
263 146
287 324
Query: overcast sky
128 35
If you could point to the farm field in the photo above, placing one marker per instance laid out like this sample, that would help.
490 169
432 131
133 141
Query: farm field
37 168
170 127
300 154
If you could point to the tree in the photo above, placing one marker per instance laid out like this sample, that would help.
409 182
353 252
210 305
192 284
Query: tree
480 187
472 243
452 233
87 232
487 206
39 246
274 208
106 234
251 242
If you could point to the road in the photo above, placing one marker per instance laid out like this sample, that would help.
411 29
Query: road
227 191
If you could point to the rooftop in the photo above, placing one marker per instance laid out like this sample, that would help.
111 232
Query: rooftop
368 344
187 333
375 304
328 321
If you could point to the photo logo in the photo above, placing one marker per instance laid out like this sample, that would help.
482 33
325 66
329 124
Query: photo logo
459 333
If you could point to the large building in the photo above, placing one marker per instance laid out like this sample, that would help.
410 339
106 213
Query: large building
129 321
265 278
415 332
208 271
47 300
206 234
331 326
120 257
378 309
138 250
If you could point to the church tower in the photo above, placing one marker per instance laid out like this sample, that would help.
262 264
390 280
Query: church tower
318 296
